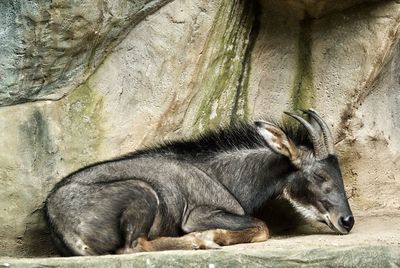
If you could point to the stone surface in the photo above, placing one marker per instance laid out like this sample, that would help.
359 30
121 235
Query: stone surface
374 242
301 9
354 256
185 93
346 65
48 48
190 66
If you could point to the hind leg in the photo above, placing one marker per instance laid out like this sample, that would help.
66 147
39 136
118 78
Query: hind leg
60 245
136 221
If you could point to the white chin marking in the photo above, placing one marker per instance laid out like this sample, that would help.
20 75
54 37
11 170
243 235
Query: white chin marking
309 212
333 226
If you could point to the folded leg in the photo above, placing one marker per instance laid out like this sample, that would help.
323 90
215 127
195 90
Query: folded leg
136 221
209 229
225 228
190 241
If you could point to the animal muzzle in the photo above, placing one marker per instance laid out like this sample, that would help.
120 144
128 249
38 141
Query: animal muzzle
340 223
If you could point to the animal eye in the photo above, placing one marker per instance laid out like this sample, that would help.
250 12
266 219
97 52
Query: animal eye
319 177
327 190
326 204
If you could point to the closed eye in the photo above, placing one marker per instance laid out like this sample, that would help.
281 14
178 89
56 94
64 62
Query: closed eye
319 177
326 204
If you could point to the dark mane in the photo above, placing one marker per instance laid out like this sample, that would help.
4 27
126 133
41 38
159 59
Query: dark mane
240 135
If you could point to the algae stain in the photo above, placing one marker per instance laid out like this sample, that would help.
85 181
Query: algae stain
223 69
303 94
39 144
241 108
38 169
82 126
215 78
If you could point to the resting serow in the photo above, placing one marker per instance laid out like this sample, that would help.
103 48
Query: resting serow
200 193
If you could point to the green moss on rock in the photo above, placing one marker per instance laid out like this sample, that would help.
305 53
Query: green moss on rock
223 68
83 124
303 95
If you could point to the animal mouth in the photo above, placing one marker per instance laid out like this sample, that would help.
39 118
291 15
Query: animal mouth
327 221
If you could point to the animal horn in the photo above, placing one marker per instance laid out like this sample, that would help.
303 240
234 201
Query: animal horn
319 147
328 137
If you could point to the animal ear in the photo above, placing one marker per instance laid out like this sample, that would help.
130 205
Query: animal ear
278 141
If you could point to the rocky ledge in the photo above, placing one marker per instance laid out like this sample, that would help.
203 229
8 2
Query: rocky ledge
374 242
349 256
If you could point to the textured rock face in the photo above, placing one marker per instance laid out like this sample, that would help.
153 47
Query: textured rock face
282 257
190 66
345 65
313 8
48 48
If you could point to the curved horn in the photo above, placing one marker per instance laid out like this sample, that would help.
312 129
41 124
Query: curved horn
326 132
319 147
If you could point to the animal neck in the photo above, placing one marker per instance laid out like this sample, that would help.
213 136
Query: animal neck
252 176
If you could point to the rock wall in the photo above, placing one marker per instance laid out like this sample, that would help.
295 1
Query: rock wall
346 65
47 48
88 81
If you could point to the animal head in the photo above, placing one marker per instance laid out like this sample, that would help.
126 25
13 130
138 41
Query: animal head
316 187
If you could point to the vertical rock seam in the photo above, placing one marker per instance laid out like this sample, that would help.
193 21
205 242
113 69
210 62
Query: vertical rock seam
240 109
303 90
223 69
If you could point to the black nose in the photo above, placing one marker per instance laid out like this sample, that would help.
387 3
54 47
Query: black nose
347 222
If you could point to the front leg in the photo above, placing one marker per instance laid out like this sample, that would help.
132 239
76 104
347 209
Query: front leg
208 228
190 241
225 228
